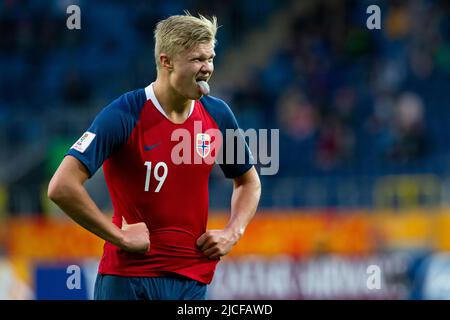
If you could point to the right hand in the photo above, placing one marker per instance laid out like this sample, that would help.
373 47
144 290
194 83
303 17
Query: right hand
136 237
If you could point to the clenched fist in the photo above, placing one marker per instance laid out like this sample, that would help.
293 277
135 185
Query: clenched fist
136 237
216 243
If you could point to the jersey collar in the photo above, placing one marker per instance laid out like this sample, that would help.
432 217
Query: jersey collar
150 94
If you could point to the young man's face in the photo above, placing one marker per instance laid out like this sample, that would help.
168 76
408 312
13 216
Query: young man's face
190 66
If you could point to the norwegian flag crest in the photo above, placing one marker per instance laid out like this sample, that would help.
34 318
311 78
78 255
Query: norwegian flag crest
203 144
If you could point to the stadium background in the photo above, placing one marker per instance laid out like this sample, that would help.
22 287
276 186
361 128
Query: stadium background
364 149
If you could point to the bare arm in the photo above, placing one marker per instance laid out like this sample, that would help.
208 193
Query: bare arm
244 201
67 190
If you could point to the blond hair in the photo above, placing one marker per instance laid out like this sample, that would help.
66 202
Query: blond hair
181 32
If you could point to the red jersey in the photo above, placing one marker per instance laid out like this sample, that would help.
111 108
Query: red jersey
157 172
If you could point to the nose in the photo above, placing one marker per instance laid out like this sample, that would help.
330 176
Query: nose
207 68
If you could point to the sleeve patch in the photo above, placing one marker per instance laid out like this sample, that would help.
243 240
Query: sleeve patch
83 143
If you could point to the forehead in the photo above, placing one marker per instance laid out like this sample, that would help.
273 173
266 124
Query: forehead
206 49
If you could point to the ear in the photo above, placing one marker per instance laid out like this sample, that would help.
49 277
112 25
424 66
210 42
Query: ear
165 61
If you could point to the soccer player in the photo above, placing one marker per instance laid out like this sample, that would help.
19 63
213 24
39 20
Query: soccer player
157 149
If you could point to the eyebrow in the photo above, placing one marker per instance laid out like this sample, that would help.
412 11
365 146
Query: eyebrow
195 56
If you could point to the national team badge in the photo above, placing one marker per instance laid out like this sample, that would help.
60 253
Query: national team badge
203 144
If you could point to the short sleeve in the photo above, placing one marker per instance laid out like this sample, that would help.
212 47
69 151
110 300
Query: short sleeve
235 157
110 129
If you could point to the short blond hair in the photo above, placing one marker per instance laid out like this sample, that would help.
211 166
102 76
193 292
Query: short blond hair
181 32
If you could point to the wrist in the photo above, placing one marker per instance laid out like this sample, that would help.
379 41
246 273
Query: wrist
235 234
120 239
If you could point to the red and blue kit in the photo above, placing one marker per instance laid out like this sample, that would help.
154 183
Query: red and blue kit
157 172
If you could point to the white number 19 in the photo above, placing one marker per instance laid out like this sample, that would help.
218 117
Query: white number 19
159 178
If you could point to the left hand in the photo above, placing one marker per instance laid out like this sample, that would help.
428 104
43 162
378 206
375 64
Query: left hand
216 243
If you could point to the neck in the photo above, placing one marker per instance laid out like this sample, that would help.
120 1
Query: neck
171 101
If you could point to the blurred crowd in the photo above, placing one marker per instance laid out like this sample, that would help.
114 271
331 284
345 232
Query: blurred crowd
350 100
47 68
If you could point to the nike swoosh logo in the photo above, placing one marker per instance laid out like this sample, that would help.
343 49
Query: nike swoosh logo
148 148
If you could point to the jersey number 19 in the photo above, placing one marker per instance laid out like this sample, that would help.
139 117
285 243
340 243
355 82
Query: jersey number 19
159 178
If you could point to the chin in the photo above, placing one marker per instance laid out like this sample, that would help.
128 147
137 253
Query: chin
195 96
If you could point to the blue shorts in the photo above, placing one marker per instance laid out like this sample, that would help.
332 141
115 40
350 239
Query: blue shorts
109 287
